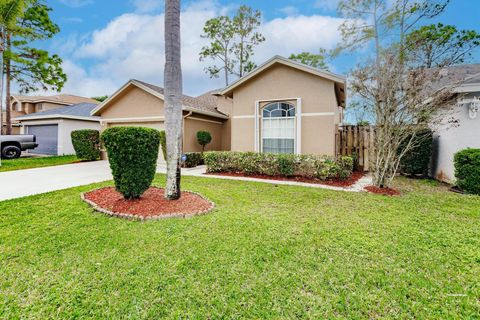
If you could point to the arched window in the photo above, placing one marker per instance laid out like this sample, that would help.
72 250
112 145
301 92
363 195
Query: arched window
278 128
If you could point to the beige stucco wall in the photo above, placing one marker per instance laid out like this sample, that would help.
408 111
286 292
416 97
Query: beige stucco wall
48 106
193 124
282 82
225 105
134 103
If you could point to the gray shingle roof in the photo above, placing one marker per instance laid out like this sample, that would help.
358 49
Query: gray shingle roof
461 74
77 110
206 102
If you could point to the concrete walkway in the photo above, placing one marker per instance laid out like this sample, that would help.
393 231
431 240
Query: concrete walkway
21 183
357 187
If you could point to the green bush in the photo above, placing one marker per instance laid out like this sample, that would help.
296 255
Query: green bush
204 138
467 170
253 163
132 153
86 144
417 160
163 143
193 159
286 164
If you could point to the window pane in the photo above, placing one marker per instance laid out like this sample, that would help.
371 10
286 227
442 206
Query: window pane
279 145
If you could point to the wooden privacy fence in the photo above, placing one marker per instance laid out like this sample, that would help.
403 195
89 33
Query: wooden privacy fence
356 140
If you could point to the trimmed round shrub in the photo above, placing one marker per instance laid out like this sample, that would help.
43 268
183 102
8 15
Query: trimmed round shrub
132 153
467 170
163 143
204 138
417 160
86 144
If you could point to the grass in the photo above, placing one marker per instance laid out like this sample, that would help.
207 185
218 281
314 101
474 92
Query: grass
28 163
265 252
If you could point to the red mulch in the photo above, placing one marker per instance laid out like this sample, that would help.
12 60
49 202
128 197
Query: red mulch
151 203
354 177
383 191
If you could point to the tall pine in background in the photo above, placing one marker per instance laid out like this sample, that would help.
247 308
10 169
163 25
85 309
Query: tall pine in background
30 68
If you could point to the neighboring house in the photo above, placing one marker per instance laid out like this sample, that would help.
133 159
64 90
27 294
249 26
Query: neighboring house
53 127
282 106
449 139
23 105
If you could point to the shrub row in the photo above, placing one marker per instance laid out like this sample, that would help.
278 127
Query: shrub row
467 170
132 153
251 163
86 144
193 159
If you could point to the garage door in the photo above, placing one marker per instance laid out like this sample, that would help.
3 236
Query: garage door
47 138
155 125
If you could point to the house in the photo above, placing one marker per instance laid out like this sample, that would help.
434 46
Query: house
282 106
23 105
449 139
52 127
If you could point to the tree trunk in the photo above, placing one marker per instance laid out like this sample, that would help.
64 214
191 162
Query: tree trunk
226 70
173 98
8 107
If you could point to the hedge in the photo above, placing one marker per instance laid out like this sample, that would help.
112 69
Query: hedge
163 143
417 160
193 159
467 170
86 144
132 153
253 163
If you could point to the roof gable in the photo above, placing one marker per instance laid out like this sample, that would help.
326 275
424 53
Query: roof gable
199 104
287 62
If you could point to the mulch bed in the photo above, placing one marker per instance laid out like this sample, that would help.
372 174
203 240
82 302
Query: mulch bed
383 191
151 205
350 181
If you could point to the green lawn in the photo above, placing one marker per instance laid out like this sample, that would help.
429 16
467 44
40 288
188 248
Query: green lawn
266 251
28 163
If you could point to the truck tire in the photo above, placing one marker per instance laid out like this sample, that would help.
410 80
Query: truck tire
11 152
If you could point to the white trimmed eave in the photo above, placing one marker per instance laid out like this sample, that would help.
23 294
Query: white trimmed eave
56 116
287 62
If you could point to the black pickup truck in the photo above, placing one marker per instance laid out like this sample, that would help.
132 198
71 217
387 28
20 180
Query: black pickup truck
13 145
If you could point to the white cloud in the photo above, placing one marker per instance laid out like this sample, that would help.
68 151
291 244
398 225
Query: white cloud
147 5
76 3
328 5
132 46
89 85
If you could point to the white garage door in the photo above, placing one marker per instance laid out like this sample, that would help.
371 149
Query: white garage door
47 138
160 126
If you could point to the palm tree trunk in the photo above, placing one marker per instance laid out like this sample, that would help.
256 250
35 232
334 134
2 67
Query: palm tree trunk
173 98
8 116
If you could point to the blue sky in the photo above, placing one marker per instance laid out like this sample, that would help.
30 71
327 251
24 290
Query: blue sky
106 42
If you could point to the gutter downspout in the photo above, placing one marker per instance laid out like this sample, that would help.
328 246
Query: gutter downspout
183 128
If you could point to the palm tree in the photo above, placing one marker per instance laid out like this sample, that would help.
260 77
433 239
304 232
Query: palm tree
173 98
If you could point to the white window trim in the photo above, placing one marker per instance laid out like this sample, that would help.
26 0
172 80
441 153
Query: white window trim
298 123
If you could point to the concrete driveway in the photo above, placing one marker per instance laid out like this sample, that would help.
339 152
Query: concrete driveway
21 183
